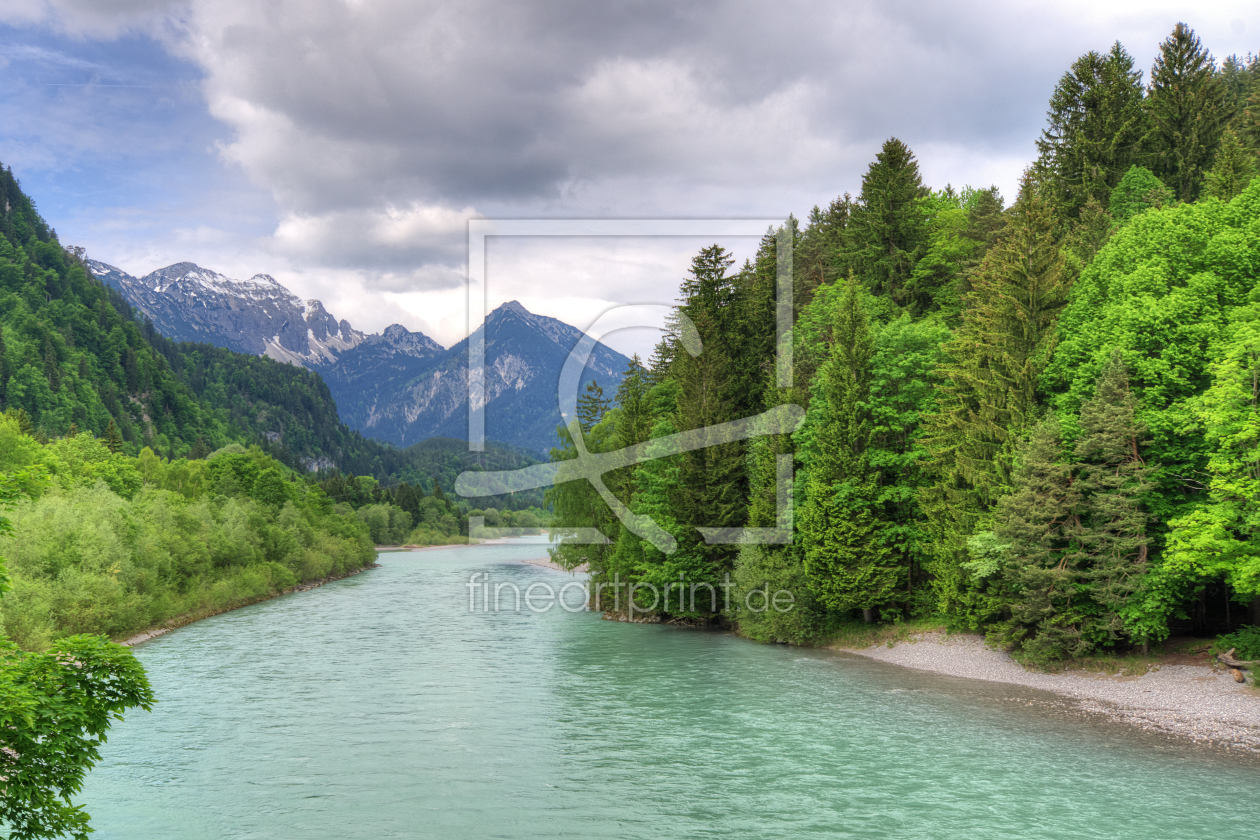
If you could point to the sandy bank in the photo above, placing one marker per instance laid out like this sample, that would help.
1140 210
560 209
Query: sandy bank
1189 701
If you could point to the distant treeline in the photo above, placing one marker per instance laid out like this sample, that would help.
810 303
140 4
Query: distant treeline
1039 420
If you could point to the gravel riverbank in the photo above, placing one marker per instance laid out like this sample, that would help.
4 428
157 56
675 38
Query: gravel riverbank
1188 701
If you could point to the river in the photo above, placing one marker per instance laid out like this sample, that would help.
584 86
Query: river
381 706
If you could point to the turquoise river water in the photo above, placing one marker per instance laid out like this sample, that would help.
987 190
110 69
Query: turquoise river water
380 706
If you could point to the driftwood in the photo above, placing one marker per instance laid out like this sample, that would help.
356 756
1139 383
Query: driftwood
1227 659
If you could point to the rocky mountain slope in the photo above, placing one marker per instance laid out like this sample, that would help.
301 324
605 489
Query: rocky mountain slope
524 354
257 316
398 386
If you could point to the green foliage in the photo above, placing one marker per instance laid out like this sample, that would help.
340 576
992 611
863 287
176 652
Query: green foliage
761 572
1073 532
848 561
1040 422
55 710
112 545
1138 190
1245 642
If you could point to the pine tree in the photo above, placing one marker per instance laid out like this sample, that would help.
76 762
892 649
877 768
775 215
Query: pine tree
1111 477
1232 170
753 325
991 370
199 449
636 417
113 439
1037 526
1189 108
591 406
819 249
848 564
712 488
1096 128
887 228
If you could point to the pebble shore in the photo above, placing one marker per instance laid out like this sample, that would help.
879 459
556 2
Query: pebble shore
1186 701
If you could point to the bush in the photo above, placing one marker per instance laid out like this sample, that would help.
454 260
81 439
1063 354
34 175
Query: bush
1245 642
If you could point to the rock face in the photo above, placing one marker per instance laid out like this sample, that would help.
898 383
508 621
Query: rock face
399 386
524 354
256 316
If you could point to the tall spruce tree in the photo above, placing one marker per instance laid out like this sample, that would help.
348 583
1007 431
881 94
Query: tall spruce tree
1189 108
1074 530
991 370
1096 129
113 438
712 489
1110 478
1232 170
754 334
887 227
591 406
1037 525
848 563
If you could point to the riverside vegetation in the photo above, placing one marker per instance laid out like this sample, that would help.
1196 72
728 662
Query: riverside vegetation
1037 421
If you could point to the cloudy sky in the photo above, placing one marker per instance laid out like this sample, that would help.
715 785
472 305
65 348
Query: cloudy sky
342 145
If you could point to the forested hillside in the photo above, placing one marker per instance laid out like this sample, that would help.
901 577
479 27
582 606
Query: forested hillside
1039 419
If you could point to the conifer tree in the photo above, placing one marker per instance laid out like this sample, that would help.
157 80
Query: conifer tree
887 228
591 406
1232 170
991 370
635 424
819 249
1096 128
713 484
1037 524
1189 108
848 564
113 439
753 323
1111 477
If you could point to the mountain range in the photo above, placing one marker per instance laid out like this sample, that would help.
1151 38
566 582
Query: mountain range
398 386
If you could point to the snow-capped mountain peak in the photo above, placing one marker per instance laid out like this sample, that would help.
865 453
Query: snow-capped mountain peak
259 315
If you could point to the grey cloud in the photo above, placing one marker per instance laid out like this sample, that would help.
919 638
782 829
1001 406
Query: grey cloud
347 112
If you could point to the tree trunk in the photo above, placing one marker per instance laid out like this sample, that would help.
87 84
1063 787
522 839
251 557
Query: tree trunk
868 615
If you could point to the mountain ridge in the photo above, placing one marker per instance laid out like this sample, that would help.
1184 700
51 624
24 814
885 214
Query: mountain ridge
398 386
